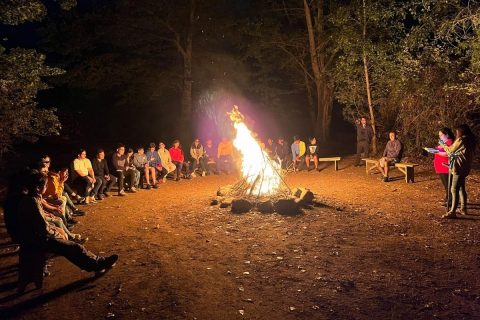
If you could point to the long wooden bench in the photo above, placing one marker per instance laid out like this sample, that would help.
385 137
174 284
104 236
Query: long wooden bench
334 159
406 168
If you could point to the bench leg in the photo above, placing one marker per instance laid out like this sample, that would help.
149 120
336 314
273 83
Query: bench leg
410 175
336 166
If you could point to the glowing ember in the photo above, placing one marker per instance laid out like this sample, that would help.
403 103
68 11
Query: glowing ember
259 171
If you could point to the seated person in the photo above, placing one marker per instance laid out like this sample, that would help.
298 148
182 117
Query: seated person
120 165
104 179
198 154
154 165
178 160
165 158
225 156
270 148
282 153
211 156
312 153
63 175
131 167
84 175
391 155
140 163
298 152
30 228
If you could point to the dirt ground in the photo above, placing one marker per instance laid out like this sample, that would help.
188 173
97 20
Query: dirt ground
375 251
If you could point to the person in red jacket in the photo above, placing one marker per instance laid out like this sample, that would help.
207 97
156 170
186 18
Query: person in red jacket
178 158
440 160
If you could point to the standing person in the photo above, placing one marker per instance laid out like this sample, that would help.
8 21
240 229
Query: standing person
85 176
211 156
364 139
198 154
166 160
154 163
225 156
102 174
119 163
461 152
178 159
312 153
440 162
298 152
282 152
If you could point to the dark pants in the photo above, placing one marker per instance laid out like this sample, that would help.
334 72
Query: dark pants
103 185
180 166
444 179
74 252
225 164
85 186
458 192
125 176
362 147
200 164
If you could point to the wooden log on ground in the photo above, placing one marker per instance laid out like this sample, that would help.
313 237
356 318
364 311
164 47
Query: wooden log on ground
304 195
265 206
241 206
287 206
227 202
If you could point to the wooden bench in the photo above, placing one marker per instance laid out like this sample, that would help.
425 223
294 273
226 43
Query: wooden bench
406 168
334 159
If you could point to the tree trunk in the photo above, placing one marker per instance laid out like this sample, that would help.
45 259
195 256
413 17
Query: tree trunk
315 68
311 106
186 110
367 79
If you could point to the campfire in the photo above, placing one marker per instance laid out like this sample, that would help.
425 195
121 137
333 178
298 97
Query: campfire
262 186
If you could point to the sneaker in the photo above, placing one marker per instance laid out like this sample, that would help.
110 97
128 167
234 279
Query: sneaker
177 179
164 179
72 221
155 186
193 175
106 195
133 189
386 179
204 174
100 197
148 187
122 193
463 211
92 200
79 213
81 200
106 262
449 215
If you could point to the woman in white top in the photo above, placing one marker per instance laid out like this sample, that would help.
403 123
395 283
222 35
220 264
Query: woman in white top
167 163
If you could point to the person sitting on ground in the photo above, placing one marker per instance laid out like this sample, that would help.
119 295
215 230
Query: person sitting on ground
391 155
102 175
84 175
120 165
298 152
282 153
197 152
153 166
440 162
225 156
131 167
140 163
211 156
312 153
461 153
165 158
31 229
178 160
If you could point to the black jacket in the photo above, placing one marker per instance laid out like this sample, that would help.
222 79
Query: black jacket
364 134
100 167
